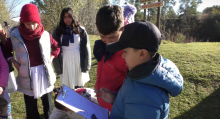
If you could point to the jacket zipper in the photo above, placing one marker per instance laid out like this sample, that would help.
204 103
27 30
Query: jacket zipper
28 64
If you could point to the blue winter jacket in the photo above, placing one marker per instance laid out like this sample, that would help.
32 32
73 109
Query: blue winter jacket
144 93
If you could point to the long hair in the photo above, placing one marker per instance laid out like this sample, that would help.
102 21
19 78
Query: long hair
74 26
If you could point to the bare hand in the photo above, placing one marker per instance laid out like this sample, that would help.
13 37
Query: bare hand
16 64
106 95
51 58
1 90
3 36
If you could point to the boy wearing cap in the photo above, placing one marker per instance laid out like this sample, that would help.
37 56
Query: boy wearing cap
144 93
111 68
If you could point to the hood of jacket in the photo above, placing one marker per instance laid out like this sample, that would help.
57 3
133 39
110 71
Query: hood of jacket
159 72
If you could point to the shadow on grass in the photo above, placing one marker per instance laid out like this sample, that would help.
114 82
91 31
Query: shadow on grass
209 108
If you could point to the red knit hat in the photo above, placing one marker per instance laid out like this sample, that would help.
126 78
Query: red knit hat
29 13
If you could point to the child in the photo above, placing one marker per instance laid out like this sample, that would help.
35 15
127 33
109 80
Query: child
111 69
129 12
34 49
4 71
12 86
3 108
151 78
74 60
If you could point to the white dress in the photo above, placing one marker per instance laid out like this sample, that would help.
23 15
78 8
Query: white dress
72 75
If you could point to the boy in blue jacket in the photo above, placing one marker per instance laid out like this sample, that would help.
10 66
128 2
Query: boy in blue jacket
150 80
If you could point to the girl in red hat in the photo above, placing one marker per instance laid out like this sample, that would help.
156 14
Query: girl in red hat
74 60
32 46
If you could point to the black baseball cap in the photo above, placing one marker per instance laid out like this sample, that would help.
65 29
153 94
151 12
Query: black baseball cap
138 35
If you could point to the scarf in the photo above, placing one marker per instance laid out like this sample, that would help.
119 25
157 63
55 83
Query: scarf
99 50
31 34
68 37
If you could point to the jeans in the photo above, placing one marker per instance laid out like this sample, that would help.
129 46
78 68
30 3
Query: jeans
9 109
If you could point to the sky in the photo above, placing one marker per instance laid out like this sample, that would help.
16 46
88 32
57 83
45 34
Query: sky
206 3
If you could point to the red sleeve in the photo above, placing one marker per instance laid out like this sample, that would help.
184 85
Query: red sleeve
55 47
7 49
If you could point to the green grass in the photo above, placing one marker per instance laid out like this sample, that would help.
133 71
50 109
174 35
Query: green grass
199 65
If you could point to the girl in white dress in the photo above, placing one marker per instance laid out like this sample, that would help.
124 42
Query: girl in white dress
74 60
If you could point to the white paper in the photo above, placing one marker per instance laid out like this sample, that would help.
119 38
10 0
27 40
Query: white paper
81 105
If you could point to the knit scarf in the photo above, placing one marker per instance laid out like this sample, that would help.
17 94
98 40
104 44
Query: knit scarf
99 50
68 37
31 34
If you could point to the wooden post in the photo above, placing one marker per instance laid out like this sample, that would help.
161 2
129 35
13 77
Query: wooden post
144 12
158 16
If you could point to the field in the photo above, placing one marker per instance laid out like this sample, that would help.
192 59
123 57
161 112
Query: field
198 63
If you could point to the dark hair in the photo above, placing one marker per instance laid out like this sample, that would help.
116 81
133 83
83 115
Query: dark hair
75 24
57 105
109 19
3 104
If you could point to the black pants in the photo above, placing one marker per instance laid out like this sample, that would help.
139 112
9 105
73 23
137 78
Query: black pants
31 106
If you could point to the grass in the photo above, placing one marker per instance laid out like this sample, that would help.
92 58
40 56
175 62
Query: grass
199 65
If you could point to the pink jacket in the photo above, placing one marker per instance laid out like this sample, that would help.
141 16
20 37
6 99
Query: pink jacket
4 71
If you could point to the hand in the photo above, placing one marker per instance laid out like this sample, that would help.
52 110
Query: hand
1 90
3 36
16 64
51 58
106 95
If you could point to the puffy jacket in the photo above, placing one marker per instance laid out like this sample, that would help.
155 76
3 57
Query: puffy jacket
111 71
9 63
24 80
144 94
4 71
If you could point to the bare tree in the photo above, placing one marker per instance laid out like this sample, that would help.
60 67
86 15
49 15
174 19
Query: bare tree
11 5
86 10
4 14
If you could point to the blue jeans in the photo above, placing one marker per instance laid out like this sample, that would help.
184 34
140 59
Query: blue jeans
9 107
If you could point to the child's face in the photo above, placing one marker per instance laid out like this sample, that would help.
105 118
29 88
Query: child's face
67 19
132 57
110 38
4 113
31 25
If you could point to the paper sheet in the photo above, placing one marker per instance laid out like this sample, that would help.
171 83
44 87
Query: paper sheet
81 105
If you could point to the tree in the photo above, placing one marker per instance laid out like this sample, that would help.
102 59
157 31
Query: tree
4 13
214 10
188 16
139 15
152 14
86 10
11 5
50 12
116 2
189 6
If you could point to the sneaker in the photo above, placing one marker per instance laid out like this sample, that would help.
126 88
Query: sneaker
9 116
